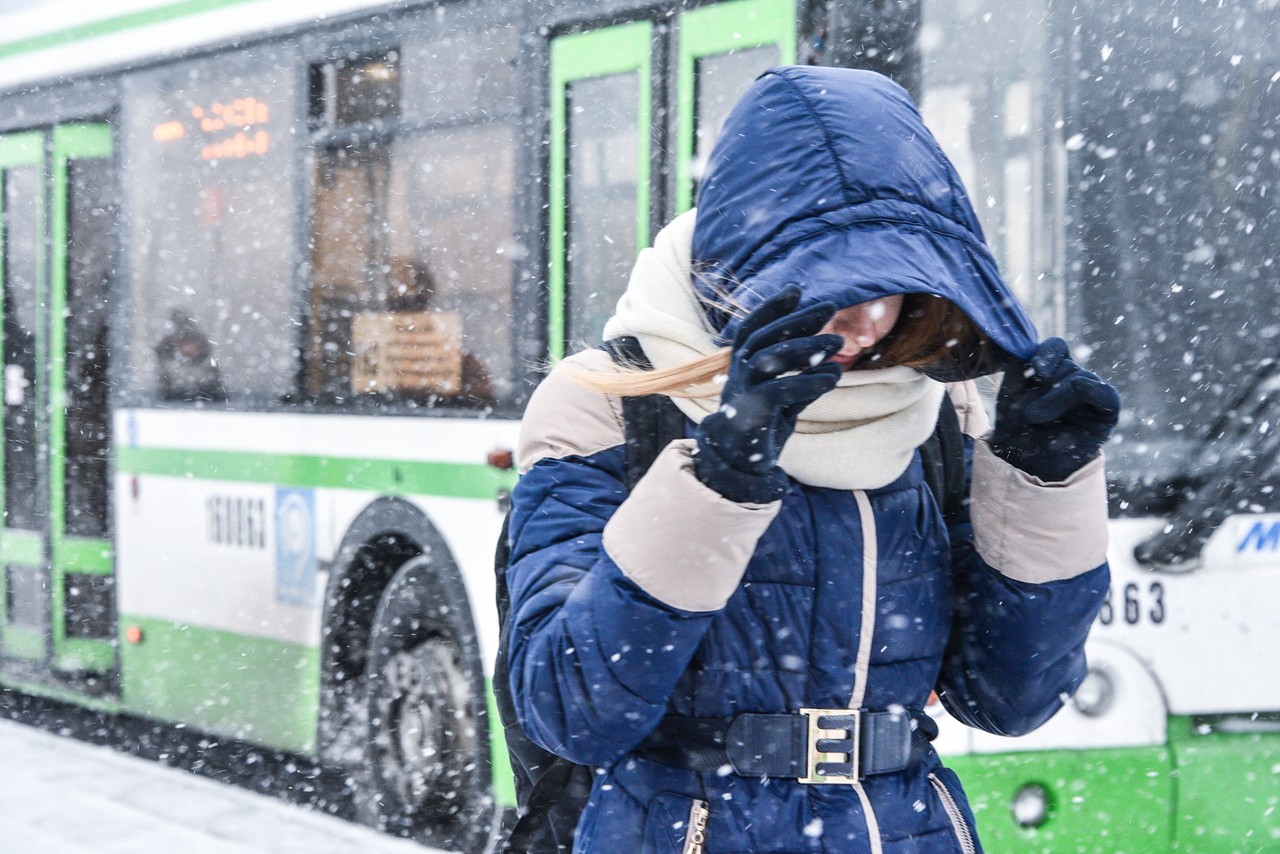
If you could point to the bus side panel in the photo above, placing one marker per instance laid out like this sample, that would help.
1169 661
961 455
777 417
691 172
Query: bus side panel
1228 784
231 684
219 615
1100 800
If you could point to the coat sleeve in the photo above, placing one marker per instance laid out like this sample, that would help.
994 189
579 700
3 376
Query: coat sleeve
611 592
1030 573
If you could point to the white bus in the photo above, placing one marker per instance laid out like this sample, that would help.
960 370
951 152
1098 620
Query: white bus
279 277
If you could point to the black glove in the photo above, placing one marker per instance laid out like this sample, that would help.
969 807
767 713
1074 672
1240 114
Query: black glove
738 446
1053 416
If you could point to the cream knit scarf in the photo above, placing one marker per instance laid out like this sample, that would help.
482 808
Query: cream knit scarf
859 435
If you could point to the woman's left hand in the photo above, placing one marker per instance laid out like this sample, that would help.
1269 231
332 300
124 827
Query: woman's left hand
1053 416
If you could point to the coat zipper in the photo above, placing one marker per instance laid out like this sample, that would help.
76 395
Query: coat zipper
696 837
963 835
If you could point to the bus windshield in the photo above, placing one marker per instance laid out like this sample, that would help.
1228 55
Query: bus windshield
1125 161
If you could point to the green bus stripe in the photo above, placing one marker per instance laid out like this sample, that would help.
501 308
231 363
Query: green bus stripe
110 26
82 141
453 480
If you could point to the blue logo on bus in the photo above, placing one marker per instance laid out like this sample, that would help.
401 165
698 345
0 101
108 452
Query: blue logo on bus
1262 537
296 546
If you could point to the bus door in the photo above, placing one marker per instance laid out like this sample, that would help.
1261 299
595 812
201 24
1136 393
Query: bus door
57 226
721 51
621 162
601 112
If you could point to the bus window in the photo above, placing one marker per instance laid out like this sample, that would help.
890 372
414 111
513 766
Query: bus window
720 49
451 224
603 126
21 263
364 90
210 235
466 72
1177 169
347 184
719 81
993 115
412 229
601 110
90 241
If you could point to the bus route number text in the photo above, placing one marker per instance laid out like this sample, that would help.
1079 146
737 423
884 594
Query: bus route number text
1132 604
236 521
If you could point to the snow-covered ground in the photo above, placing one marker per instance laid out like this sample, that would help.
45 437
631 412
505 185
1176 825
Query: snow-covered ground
62 796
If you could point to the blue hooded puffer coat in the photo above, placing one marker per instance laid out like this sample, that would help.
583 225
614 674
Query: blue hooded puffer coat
847 596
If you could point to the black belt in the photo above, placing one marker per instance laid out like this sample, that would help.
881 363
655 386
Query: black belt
814 746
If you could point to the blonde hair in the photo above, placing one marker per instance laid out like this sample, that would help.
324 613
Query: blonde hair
931 334
696 378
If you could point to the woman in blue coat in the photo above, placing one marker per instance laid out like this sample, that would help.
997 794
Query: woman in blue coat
745 641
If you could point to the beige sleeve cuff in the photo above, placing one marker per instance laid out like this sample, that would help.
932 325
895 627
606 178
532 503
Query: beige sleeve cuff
680 541
566 417
1035 531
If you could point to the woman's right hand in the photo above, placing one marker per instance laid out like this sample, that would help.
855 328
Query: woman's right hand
739 445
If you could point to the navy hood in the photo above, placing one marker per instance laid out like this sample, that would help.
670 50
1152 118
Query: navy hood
828 178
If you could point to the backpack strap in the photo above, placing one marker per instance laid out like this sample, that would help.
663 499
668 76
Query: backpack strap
650 422
944 463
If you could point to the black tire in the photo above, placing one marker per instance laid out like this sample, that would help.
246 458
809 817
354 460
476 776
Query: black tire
426 773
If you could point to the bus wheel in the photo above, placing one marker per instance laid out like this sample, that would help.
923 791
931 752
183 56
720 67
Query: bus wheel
426 764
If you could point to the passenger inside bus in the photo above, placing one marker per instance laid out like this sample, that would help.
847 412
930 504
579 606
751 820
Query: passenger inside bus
411 291
185 367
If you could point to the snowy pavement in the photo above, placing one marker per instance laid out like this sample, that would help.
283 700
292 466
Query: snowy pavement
62 796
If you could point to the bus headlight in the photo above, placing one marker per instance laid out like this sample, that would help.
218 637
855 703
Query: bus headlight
1031 805
1096 693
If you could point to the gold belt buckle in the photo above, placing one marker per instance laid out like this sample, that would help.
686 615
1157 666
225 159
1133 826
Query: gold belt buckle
814 757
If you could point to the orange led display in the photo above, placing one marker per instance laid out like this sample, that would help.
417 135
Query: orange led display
239 146
168 132
236 119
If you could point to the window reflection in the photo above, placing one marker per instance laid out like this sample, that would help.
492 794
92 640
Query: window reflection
466 72
411 259
410 218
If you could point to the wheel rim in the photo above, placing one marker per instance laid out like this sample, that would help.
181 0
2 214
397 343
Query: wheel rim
425 731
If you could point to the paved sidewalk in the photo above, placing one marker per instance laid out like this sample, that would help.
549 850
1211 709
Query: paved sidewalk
62 796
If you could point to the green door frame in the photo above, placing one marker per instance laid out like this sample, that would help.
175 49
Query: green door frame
719 29
623 49
51 546
23 548
81 555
